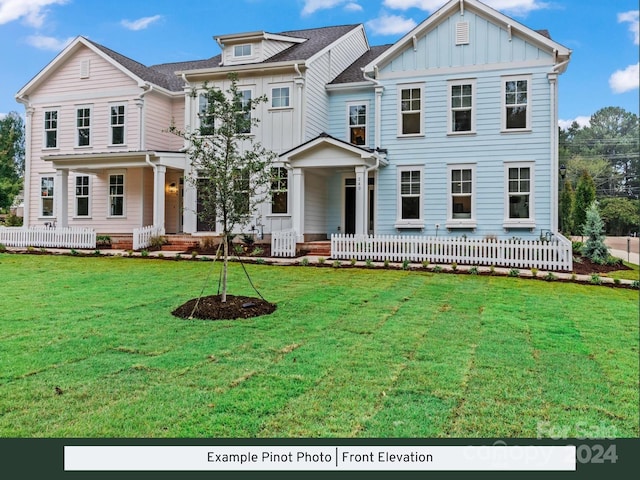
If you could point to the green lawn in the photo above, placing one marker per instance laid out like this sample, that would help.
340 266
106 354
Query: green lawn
348 353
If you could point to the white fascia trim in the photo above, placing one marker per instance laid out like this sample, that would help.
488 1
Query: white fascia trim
343 87
252 67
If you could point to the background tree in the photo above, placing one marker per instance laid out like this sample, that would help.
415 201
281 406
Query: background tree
233 173
566 207
11 158
584 196
620 215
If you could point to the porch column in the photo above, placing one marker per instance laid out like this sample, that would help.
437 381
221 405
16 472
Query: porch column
189 202
361 200
61 192
297 215
159 174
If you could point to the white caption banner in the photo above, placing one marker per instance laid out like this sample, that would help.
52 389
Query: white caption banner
357 458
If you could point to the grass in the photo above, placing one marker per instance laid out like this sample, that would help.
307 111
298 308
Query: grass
633 274
88 348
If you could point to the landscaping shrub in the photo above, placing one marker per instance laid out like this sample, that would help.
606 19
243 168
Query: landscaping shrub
594 248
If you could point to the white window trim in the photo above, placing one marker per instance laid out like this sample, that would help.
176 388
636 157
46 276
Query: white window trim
409 223
461 222
75 197
77 134
198 120
252 89
409 86
520 222
366 121
249 55
272 87
503 103
289 179
44 128
54 206
124 126
124 193
450 85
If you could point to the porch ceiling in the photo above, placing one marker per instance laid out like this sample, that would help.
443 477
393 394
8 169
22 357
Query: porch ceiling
92 162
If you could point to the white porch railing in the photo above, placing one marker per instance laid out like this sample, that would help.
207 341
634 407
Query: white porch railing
283 244
68 237
142 236
554 254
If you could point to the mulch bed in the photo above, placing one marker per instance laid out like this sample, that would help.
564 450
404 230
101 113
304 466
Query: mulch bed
584 266
212 308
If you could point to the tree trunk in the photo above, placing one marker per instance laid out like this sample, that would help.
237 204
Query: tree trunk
224 268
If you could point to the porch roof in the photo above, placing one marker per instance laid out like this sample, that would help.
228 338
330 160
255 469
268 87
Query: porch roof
94 161
326 151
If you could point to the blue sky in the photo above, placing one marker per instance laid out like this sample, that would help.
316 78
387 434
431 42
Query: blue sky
603 35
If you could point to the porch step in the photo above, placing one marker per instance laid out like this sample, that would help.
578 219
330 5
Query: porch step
319 248
180 243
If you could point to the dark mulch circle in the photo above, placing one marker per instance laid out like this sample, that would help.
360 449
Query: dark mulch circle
212 308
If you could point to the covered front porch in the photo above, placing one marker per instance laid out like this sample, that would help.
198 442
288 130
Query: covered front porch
332 188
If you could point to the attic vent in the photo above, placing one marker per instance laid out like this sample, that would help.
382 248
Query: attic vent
462 33
84 68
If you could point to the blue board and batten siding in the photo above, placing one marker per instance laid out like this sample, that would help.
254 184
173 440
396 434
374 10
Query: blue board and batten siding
490 55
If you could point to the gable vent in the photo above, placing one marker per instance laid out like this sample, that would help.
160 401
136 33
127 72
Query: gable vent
462 33
84 68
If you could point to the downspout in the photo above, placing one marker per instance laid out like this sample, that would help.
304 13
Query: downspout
148 88
299 81
26 183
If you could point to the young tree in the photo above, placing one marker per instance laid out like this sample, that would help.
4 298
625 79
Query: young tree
585 195
231 172
594 248
11 158
566 206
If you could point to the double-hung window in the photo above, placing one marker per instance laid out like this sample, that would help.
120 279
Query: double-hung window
280 97
243 122
519 202
410 197
116 195
51 129
205 115
83 183
83 126
461 107
117 124
410 106
461 207
516 110
47 196
279 190
358 123
241 192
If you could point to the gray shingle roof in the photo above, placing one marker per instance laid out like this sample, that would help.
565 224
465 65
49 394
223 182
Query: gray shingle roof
317 39
353 73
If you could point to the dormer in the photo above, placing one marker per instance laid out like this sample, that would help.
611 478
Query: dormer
253 47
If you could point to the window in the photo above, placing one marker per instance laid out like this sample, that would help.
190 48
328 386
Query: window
461 207
82 195
280 97
516 104
519 195
279 190
117 124
116 195
244 112
51 129
410 110
206 116
410 198
461 115
241 189
358 124
46 196
83 125
242 51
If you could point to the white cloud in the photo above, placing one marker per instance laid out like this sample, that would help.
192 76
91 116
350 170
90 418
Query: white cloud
581 120
387 24
633 18
141 23
625 80
518 7
32 11
353 7
312 6
48 43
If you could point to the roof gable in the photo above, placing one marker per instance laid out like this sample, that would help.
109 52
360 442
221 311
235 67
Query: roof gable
462 11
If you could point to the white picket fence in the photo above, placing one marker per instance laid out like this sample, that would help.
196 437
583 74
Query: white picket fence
283 244
554 254
48 237
142 236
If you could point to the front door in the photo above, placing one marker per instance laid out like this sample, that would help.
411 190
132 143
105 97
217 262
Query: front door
350 206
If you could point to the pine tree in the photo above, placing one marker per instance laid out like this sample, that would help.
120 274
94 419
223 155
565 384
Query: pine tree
594 248
585 195
566 206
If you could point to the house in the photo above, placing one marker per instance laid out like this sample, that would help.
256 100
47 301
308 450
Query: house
450 132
